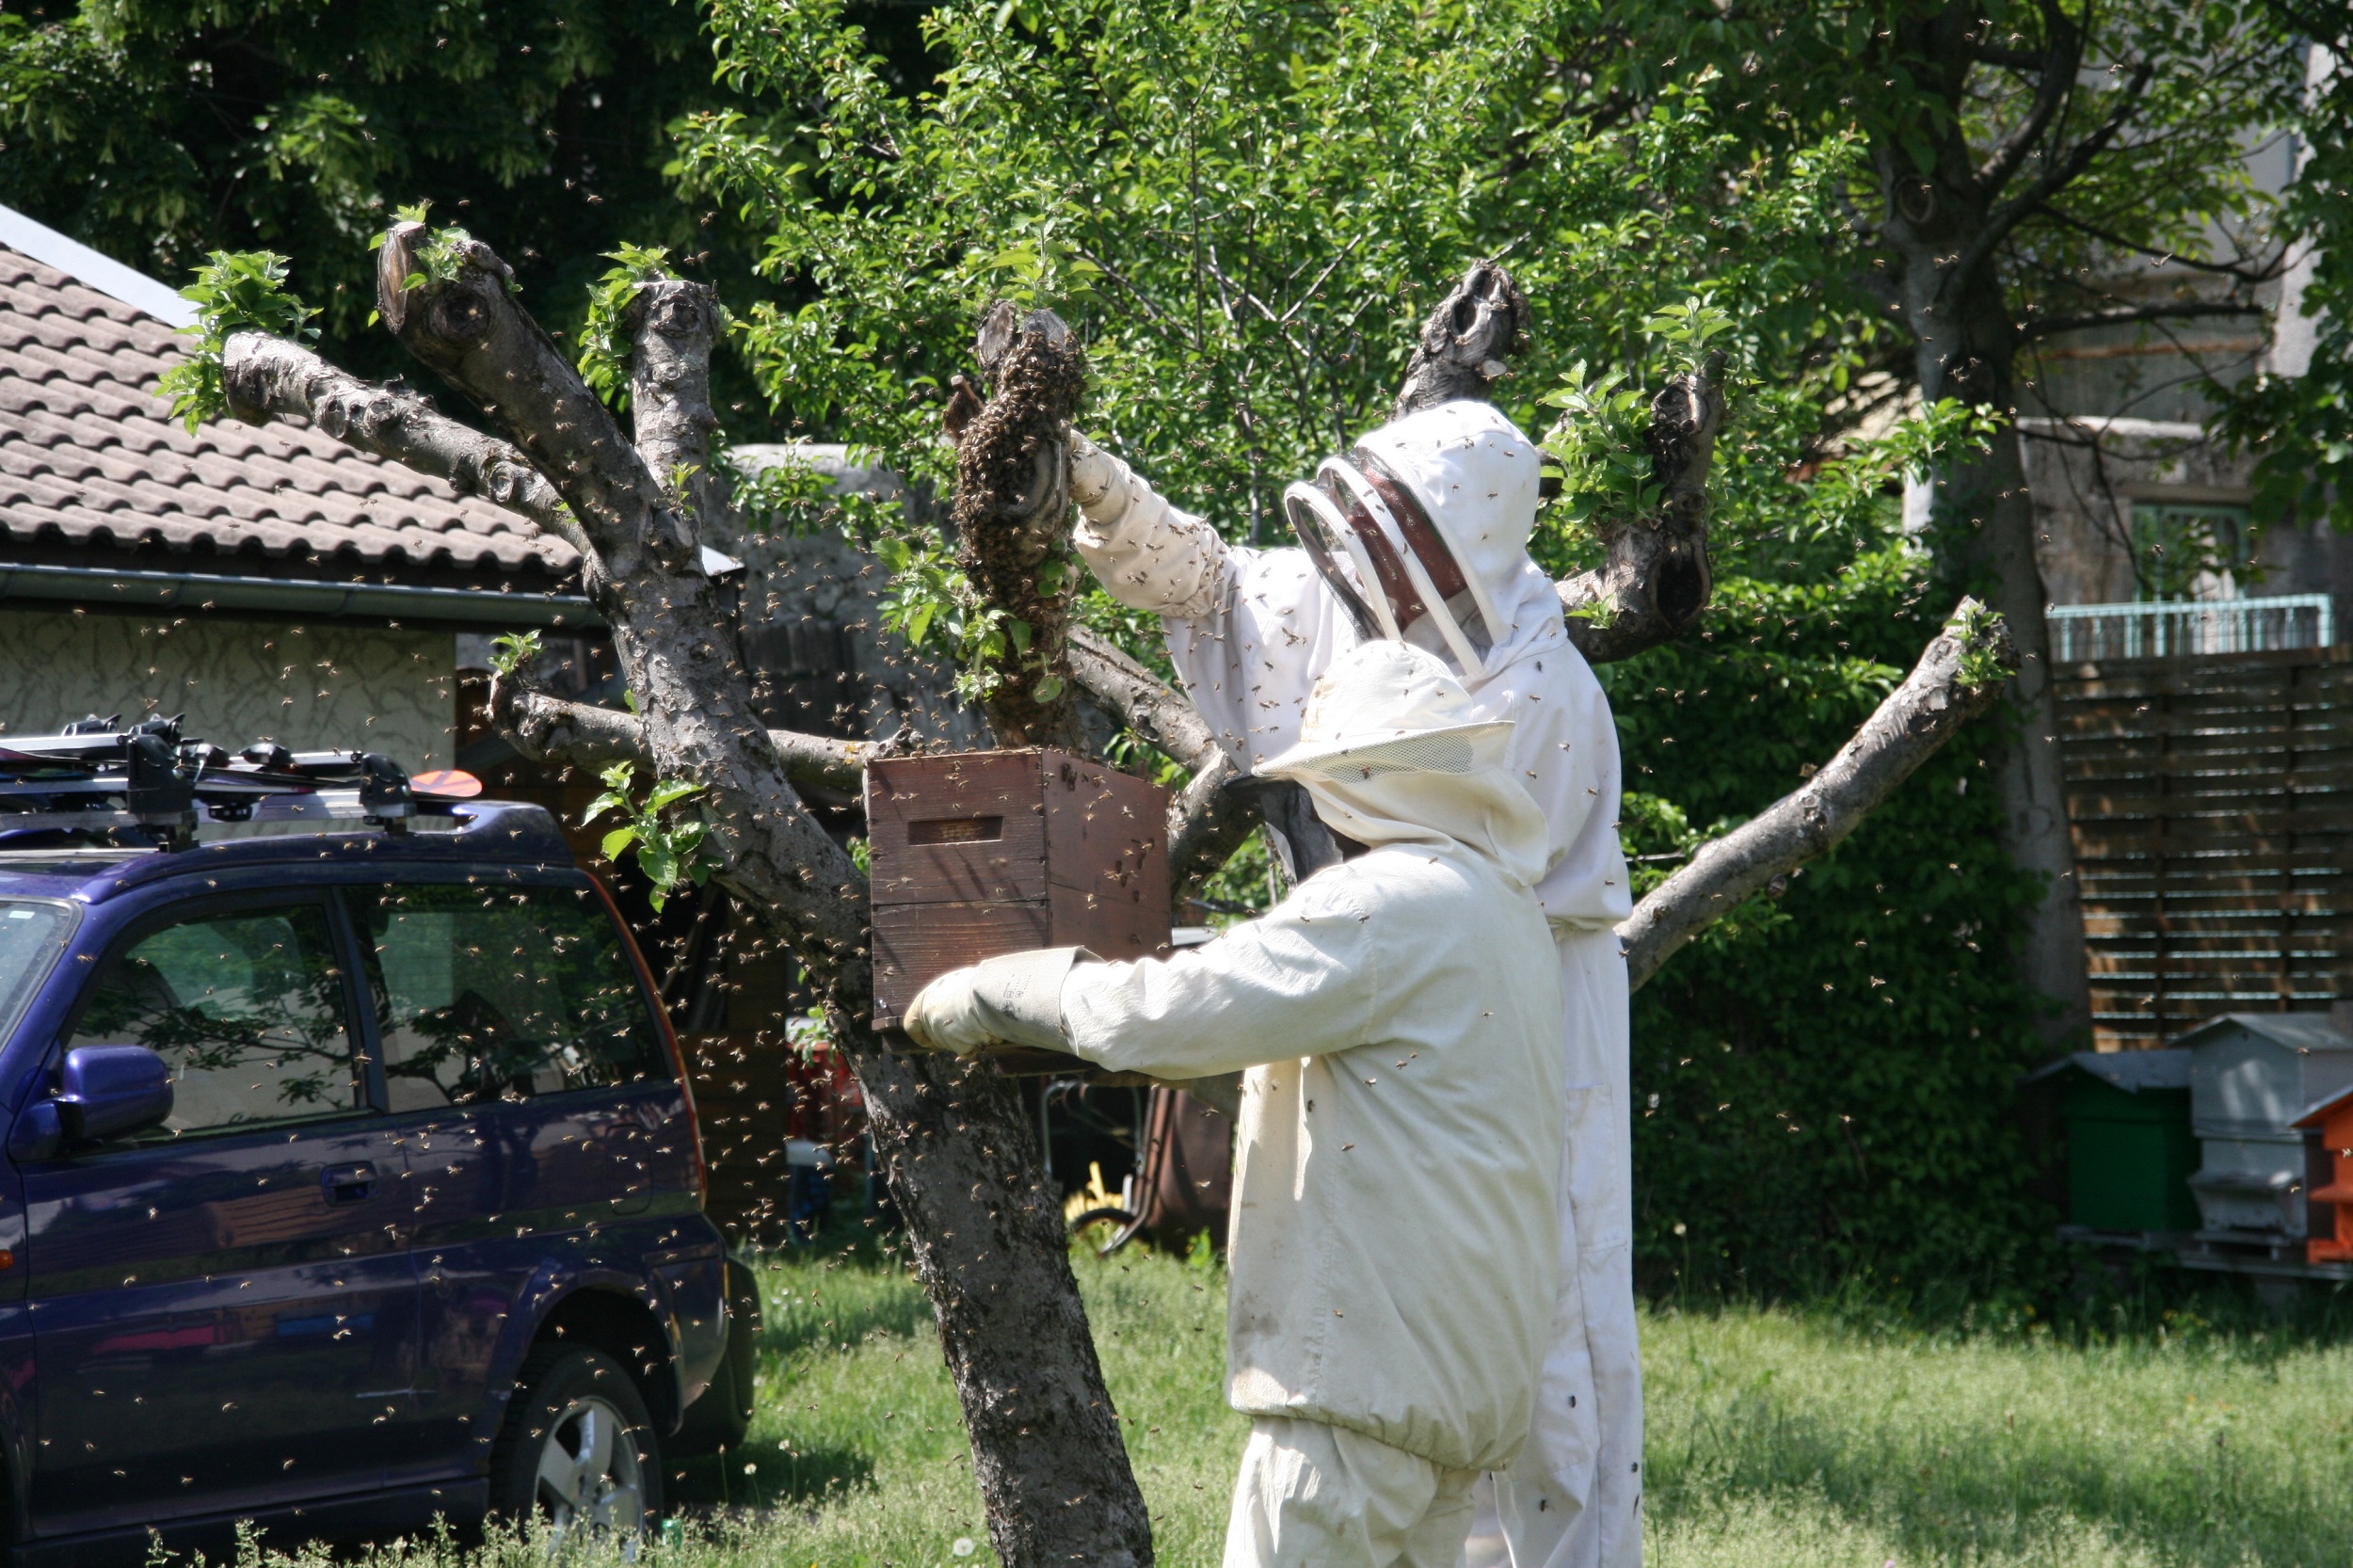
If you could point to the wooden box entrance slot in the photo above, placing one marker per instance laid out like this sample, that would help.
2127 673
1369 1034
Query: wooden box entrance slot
980 853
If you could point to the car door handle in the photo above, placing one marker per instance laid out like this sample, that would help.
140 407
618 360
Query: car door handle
348 1183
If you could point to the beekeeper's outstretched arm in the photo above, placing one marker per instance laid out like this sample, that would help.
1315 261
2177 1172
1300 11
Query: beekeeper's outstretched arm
1303 981
1147 554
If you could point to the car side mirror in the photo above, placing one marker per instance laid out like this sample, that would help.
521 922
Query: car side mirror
102 1092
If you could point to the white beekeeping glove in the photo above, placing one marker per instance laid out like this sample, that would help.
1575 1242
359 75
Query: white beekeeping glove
1011 1001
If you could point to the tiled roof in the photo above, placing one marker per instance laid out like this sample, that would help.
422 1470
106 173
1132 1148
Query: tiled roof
94 470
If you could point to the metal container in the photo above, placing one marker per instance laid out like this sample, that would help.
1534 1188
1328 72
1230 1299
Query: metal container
2251 1076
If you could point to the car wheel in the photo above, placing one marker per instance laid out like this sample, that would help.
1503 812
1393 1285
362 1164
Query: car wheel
577 1457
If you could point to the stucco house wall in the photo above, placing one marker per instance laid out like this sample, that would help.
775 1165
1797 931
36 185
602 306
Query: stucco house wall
340 687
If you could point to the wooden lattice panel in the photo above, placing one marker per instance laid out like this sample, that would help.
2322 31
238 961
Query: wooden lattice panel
2212 804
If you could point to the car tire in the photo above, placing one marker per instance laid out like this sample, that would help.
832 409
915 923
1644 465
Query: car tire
578 1456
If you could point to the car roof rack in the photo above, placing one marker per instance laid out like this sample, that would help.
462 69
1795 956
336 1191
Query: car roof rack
147 781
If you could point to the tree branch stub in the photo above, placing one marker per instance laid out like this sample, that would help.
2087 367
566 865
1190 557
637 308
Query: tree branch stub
1657 579
1468 343
673 326
1959 676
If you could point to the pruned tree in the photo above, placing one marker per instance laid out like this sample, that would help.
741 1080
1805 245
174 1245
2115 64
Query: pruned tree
985 1232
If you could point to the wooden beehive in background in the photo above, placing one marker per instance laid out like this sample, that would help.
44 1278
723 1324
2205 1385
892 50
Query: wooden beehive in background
980 853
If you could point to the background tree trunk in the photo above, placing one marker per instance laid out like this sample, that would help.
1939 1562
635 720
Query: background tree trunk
1965 346
1942 227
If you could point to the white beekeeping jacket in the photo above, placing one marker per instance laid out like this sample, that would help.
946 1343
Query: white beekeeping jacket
1250 630
1394 1246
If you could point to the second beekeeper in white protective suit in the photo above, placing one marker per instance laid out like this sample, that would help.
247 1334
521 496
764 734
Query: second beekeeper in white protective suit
1420 534
1393 1247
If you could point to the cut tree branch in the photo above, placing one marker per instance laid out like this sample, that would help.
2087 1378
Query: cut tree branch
547 728
1959 677
1655 580
462 322
269 377
1469 341
672 325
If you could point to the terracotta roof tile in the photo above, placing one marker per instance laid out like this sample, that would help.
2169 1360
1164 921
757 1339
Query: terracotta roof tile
90 457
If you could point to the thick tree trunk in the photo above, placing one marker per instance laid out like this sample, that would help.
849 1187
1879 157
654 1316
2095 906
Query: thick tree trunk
1965 346
985 1232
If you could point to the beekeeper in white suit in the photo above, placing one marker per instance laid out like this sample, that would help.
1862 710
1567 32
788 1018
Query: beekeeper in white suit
1421 534
1393 1262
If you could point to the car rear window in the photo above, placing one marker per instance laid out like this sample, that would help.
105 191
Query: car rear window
486 993
32 933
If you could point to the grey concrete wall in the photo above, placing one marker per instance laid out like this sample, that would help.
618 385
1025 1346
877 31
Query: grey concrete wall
306 687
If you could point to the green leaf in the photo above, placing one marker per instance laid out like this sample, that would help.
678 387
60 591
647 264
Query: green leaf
617 841
670 791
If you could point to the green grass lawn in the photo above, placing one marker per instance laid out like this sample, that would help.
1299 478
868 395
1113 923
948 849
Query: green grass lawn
1779 1438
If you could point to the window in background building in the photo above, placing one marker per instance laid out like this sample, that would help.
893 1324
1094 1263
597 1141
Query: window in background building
2184 550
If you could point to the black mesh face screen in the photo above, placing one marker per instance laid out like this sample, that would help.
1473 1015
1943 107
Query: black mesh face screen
1332 563
1301 840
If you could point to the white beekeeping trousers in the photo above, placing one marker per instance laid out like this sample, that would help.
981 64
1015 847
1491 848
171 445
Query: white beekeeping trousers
1312 1496
1573 1499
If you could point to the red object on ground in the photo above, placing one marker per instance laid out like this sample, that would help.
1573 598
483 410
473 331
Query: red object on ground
2334 1117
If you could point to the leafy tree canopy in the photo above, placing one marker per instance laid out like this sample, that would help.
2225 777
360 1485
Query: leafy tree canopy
1246 208
159 133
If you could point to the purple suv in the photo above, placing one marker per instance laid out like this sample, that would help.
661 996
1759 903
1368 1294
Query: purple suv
350 1180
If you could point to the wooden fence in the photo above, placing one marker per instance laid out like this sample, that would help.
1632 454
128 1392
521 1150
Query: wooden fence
2212 802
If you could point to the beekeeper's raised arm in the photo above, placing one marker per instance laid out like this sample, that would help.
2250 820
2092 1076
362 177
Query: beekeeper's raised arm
1147 554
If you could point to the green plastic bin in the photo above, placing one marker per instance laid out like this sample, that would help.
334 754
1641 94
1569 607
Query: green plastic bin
2130 1151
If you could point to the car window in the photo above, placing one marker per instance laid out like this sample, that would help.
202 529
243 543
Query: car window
501 994
245 1005
32 933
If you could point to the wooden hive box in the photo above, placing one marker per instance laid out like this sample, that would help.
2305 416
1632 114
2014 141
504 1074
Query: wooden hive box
2251 1076
980 853
2130 1151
